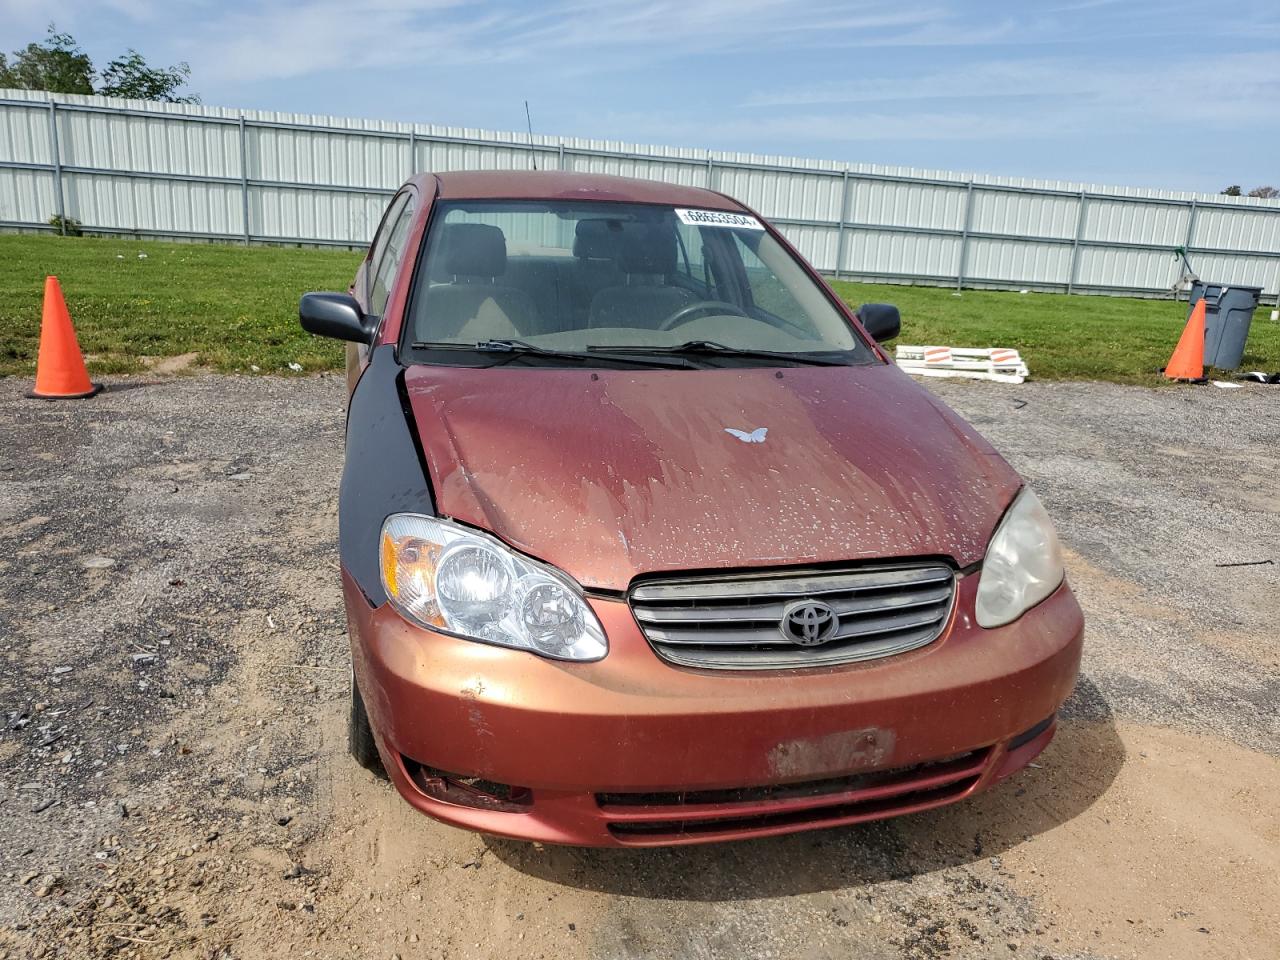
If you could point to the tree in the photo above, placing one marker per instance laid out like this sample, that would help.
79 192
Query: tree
1233 190
57 65
129 76
60 66
1266 193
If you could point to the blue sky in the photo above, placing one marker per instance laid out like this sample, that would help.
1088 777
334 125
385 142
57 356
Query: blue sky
1163 94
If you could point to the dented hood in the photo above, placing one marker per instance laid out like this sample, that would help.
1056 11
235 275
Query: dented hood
615 473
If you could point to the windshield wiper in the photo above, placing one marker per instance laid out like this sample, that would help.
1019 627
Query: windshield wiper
712 347
522 348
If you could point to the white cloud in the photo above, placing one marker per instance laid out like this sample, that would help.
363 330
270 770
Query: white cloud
1065 95
278 40
29 18
811 128
706 25
275 39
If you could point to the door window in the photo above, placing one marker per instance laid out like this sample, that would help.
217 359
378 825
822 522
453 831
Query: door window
388 250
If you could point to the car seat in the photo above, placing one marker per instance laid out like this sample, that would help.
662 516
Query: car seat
647 256
472 305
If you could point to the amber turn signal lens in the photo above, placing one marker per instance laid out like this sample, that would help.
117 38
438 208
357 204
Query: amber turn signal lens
389 566
409 573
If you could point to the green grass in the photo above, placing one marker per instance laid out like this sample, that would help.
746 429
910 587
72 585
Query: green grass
1061 337
236 307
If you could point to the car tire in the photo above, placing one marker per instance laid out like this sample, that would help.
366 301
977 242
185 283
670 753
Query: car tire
360 735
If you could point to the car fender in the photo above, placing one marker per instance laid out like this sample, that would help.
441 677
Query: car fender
383 473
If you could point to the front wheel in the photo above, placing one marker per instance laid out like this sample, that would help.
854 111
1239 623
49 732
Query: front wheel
360 734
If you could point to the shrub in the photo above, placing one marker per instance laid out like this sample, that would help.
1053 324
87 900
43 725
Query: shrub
68 225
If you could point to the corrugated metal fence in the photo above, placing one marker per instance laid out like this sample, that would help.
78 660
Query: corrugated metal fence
169 170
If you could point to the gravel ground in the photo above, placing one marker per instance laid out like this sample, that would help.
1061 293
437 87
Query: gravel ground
173 780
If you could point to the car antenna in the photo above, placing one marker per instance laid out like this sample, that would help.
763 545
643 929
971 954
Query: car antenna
533 157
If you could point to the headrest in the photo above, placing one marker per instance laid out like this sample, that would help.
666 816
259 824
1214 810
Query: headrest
596 240
473 250
648 248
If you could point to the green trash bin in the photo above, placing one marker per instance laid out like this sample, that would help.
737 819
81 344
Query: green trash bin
1228 311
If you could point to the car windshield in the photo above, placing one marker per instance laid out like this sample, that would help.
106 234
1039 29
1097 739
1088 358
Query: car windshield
545 279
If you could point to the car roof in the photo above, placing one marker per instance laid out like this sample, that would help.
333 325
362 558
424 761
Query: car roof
564 185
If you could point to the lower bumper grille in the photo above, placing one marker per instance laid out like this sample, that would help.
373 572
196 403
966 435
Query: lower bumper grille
792 620
467 791
698 815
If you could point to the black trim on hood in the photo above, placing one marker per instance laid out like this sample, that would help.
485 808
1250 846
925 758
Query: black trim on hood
383 473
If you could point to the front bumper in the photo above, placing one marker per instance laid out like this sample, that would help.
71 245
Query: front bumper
631 751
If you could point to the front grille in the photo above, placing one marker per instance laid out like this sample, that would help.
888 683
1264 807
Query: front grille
698 815
734 622
961 765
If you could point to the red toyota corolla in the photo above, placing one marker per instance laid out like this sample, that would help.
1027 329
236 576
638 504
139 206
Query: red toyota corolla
645 541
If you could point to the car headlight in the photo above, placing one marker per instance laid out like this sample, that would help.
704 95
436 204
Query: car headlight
1023 563
460 581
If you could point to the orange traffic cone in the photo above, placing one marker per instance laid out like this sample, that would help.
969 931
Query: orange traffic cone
1187 362
60 371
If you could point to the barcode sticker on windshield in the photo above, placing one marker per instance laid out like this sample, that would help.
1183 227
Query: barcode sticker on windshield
718 218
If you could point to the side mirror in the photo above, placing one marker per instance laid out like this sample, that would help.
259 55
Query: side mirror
334 315
881 320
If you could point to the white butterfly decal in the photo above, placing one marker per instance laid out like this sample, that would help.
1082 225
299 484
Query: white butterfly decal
755 436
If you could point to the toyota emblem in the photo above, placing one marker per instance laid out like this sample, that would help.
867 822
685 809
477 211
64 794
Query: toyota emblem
809 623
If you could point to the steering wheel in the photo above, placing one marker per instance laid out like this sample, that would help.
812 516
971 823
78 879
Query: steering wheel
687 313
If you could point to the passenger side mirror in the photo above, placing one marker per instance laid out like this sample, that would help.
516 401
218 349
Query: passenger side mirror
336 315
881 320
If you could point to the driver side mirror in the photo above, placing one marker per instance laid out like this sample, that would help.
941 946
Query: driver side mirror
881 320
336 315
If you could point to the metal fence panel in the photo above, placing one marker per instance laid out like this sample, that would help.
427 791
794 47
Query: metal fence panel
25 135
1013 263
26 198
176 170
1113 269
1149 224
878 255
1238 270
811 196
154 206
324 215
1240 229
906 204
1030 214
306 156
147 144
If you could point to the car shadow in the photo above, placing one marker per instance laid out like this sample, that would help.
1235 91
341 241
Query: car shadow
1076 769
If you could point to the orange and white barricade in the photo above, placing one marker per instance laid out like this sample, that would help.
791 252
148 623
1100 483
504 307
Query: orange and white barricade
992 363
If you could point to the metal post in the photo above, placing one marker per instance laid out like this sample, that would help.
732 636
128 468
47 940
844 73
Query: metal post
844 216
57 168
244 180
710 165
1191 225
1075 244
413 151
1187 240
964 236
560 155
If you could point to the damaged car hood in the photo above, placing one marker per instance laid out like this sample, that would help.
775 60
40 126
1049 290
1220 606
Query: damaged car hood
610 474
